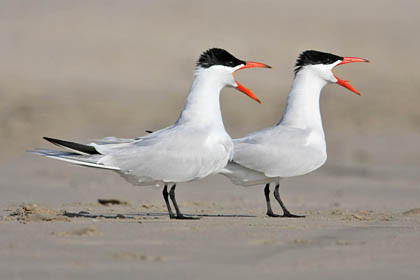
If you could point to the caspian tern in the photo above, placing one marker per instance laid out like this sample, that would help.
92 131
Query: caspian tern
196 146
296 145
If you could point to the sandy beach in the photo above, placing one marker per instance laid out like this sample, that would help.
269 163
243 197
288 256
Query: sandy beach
86 70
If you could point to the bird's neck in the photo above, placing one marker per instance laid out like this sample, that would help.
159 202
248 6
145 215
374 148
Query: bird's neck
302 108
202 105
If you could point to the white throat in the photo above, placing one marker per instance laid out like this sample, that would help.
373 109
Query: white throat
202 104
302 108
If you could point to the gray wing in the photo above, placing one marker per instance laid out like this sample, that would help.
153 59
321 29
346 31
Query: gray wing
166 155
112 144
111 140
276 152
115 140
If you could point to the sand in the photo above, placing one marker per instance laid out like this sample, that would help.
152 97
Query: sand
85 70
355 226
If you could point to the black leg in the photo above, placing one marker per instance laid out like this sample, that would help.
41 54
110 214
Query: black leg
165 196
179 215
286 212
267 201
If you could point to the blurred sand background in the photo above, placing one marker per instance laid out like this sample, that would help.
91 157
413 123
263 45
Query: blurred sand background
82 70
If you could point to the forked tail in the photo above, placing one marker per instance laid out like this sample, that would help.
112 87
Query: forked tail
80 154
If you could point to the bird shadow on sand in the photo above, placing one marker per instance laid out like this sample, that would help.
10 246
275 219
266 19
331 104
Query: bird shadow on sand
85 214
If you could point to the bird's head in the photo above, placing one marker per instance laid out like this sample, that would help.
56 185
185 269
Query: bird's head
323 64
222 65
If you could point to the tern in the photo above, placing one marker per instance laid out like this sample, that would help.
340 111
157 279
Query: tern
296 145
196 146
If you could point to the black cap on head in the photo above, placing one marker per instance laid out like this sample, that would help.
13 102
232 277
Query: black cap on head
312 57
217 56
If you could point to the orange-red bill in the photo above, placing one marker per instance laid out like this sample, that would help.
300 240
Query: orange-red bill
344 83
250 64
247 92
253 64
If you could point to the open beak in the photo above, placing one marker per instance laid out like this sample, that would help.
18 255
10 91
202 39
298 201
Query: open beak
249 64
346 83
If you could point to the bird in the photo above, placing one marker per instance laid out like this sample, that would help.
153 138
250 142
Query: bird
195 146
296 145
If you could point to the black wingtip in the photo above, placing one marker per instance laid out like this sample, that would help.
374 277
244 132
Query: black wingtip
72 145
49 139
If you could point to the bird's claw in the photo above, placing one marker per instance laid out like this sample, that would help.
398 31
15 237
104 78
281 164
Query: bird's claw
290 215
182 217
272 215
